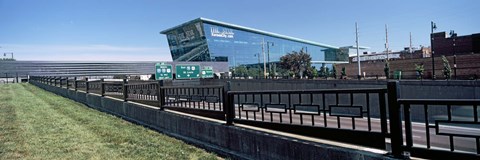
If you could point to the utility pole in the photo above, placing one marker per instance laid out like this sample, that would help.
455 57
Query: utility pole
410 49
453 35
386 40
264 64
358 54
268 53
433 26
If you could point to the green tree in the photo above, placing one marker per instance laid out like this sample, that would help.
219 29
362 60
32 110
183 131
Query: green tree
334 71
386 69
296 62
255 72
311 72
344 73
447 71
322 71
420 69
240 71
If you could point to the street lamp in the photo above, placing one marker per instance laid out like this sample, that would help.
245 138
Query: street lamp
259 71
454 36
433 27
268 53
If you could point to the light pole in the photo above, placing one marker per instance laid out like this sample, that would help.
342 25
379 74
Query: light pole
259 71
454 36
268 52
264 64
358 55
433 27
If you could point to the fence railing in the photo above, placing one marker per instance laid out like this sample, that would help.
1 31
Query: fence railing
208 101
416 127
148 92
113 88
460 131
358 114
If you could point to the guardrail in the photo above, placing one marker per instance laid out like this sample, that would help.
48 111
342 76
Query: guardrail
358 116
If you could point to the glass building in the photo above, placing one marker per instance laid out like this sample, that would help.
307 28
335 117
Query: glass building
209 40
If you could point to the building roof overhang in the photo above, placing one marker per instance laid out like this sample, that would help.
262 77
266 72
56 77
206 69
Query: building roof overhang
234 26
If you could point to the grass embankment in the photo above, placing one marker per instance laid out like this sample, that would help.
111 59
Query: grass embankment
36 124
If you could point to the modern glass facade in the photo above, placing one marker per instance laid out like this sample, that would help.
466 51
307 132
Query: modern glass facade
209 40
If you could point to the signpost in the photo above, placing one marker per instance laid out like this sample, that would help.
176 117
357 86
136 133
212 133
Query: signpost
207 72
163 71
187 71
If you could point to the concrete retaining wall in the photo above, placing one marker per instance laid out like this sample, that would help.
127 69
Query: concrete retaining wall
232 141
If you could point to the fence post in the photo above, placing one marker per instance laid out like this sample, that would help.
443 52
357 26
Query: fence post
125 92
228 107
67 82
86 85
160 94
75 83
395 119
102 87
60 82
16 74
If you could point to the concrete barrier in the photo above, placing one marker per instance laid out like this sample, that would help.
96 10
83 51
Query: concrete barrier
141 113
94 101
113 106
82 97
231 141
72 95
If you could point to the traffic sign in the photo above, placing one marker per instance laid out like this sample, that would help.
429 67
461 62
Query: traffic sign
163 71
207 72
187 71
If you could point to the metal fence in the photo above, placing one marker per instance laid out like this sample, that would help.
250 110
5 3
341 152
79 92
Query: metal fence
201 100
368 117
318 113
461 132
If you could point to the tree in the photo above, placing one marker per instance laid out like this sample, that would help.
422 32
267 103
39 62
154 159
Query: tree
296 62
446 68
344 73
240 71
311 72
334 71
323 71
386 69
420 69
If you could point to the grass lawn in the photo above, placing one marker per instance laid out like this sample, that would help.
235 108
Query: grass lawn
36 124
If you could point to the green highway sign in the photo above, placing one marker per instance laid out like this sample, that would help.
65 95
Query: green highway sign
187 71
163 71
207 72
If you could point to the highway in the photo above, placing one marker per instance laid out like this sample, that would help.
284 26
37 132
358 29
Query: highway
419 134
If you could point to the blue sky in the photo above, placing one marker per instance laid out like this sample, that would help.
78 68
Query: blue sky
128 30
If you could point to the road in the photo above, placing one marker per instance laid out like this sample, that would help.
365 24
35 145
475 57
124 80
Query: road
419 134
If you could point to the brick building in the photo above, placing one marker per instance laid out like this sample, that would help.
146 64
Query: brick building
443 45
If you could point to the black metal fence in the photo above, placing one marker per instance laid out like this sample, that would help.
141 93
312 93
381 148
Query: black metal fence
451 136
369 117
207 101
357 114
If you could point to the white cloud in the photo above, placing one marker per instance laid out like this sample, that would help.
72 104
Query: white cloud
96 52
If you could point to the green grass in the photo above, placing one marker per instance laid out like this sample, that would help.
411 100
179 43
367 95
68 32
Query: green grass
36 124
